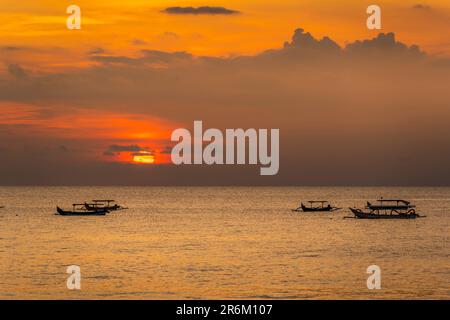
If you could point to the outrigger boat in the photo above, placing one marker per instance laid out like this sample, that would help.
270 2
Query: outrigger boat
387 209
317 206
109 205
79 209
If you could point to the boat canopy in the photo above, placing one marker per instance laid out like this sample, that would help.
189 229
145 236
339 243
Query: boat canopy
394 200
390 204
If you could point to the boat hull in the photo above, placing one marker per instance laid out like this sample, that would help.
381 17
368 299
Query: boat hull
318 209
324 209
80 213
359 214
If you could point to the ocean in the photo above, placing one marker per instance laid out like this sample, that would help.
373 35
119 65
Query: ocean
221 243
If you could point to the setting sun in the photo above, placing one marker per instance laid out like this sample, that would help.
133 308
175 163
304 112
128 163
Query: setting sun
144 158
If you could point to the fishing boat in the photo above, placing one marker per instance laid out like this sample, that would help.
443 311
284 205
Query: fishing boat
109 205
317 206
80 210
387 209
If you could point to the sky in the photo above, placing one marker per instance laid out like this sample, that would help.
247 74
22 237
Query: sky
97 106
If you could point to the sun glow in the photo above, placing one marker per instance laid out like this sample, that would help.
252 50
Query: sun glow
144 159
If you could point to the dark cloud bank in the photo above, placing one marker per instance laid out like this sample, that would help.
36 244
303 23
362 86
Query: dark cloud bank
422 7
200 10
375 112
117 149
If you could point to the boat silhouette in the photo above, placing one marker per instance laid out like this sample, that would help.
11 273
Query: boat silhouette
387 209
80 210
317 206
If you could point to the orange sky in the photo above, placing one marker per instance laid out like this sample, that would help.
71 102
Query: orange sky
124 27
35 43
102 126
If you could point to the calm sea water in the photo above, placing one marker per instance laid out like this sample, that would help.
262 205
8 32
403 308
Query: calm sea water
230 243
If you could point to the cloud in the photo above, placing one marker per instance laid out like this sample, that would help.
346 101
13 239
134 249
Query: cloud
327 100
168 35
302 39
97 51
138 42
116 149
147 56
11 48
386 43
200 10
113 59
421 7
134 150
162 82
17 71
382 43
129 148
161 56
